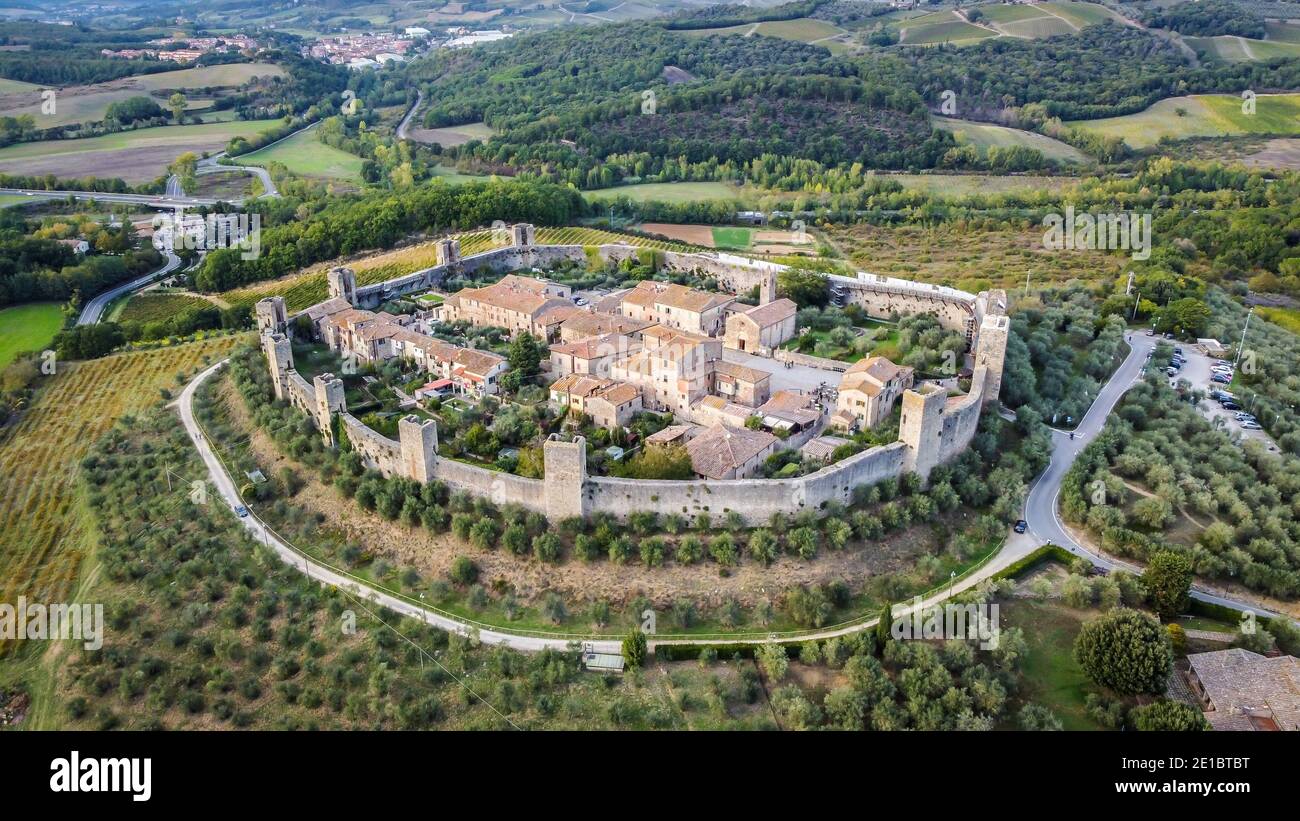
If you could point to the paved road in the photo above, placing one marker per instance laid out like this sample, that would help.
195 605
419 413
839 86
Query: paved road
1041 505
226 490
1197 372
148 200
406 121
93 311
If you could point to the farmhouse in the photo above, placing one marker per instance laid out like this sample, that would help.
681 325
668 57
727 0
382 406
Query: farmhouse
868 391
1241 690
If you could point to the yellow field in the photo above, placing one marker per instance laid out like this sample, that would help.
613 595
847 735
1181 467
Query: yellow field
41 528
307 288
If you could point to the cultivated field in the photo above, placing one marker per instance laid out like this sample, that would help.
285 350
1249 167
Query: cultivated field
135 156
985 136
28 327
802 30
940 27
1026 22
42 519
1239 49
151 306
1202 115
307 156
89 103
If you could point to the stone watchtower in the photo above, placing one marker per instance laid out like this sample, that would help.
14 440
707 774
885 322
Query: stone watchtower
343 283
447 251
565 477
767 288
271 315
921 428
279 360
330 399
990 354
523 235
419 441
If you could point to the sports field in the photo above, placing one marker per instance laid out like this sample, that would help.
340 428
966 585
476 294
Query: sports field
307 156
985 136
28 327
1203 115
135 156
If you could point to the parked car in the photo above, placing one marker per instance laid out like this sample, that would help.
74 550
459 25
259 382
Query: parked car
242 511
1021 526
1249 425
1171 371
1221 379
1230 405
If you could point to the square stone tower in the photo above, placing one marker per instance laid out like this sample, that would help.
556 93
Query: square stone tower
271 315
522 235
921 428
330 399
565 477
447 251
419 441
343 283
279 360
991 352
767 288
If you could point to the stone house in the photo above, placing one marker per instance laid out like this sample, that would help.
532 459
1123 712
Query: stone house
761 329
676 306
868 391
723 452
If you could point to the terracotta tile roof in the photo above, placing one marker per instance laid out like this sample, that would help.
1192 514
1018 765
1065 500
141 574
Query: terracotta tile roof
741 372
523 295
580 384
823 446
721 449
649 293
1241 683
329 307
787 400
620 393
773 312
597 347
476 361
590 323
672 434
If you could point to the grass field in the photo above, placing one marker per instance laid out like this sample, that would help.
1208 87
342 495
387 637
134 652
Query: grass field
16 86
1282 32
42 519
234 74
960 185
1203 115
669 192
307 156
1288 318
1052 677
307 288
1241 49
985 136
1081 14
28 328
802 30
733 239
135 156
454 177
452 135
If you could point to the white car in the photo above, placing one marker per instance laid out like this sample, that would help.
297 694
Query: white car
1249 425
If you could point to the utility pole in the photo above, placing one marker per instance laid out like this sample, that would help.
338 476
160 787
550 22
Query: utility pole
1241 348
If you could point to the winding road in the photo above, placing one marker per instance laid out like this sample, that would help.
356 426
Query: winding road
1040 512
93 311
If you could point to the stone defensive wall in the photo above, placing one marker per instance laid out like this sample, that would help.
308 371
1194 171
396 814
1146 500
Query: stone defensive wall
880 296
935 426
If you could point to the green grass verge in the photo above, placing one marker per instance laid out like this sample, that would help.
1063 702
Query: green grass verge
306 156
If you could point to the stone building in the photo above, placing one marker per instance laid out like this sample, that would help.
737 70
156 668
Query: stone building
676 306
586 324
868 391
594 356
723 452
1241 690
516 303
609 404
761 329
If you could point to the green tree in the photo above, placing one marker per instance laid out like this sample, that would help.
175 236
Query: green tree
1168 716
525 354
1168 582
806 288
1125 650
885 626
634 648
176 103
773 661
